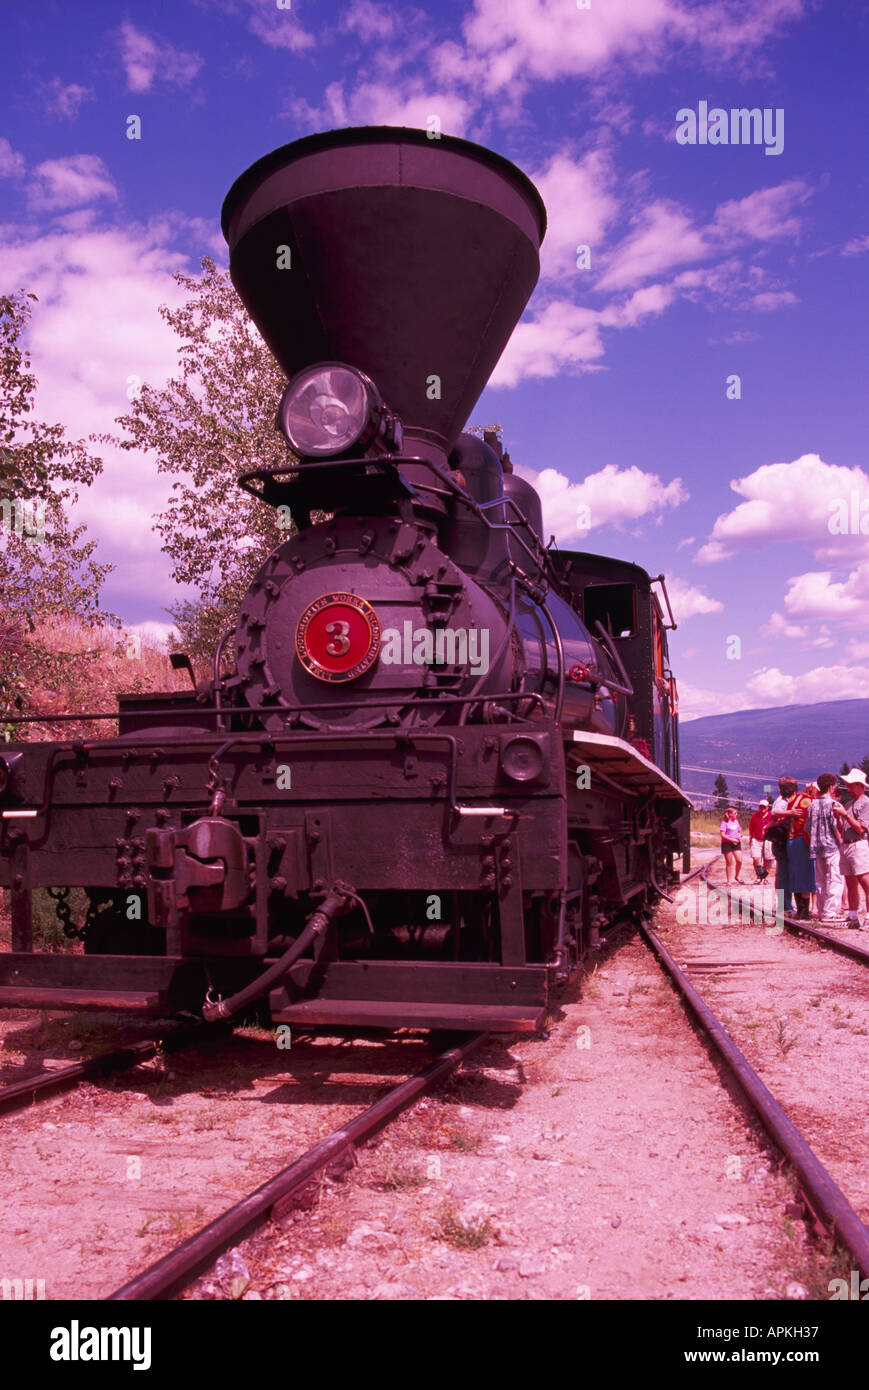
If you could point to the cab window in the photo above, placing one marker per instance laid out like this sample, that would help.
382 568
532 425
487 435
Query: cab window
613 605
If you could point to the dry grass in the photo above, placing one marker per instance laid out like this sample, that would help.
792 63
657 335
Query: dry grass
102 662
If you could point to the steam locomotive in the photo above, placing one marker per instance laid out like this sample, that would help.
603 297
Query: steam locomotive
444 756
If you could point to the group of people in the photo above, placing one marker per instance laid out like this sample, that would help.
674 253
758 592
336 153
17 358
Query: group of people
818 845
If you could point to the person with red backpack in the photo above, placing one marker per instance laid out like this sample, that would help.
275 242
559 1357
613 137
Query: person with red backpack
761 849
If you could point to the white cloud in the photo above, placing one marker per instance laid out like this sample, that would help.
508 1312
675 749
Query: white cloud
146 57
612 496
695 701
856 246
817 594
581 203
369 21
770 686
512 42
795 501
278 28
153 633
765 215
808 636
688 600
69 182
385 103
11 161
569 335
665 236
94 327
63 99
778 626
774 299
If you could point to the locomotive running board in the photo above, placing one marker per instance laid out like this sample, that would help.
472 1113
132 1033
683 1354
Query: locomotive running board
626 763
399 994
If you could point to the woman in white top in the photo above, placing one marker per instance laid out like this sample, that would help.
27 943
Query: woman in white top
731 844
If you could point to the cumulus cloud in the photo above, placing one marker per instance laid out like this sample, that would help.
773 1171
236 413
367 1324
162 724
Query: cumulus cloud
385 103
63 99
69 182
146 57
94 331
564 334
11 162
770 686
611 496
512 42
687 600
796 501
582 201
817 594
806 635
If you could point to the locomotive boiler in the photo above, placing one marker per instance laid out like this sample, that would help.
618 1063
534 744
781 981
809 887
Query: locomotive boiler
436 756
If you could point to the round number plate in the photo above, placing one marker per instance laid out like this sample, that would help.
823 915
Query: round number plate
338 637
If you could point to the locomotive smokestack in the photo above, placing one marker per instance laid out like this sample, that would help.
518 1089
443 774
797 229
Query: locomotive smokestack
408 258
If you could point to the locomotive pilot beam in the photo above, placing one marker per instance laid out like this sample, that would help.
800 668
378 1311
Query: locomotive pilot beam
444 757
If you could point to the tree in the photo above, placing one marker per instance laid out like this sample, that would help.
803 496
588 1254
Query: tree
846 767
213 421
720 788
46 565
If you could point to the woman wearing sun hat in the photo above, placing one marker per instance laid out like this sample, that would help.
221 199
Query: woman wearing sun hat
854 824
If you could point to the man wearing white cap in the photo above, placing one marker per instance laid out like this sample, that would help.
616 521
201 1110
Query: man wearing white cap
761 849
854 824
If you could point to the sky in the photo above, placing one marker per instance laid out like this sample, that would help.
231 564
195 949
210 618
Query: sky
690 393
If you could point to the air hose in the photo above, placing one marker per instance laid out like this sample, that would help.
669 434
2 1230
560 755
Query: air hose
336 901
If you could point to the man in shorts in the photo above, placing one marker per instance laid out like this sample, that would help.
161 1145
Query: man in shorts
761 849
854 854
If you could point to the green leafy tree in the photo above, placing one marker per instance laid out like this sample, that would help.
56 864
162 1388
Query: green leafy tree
213 421
721 793
47 568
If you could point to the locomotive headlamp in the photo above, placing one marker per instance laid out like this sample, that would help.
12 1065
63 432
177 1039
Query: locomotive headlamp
327 409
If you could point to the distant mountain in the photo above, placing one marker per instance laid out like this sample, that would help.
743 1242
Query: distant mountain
801 740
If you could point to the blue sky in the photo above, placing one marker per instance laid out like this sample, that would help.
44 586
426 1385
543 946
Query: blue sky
707 261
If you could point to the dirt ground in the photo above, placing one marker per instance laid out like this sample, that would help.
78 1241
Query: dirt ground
605 1162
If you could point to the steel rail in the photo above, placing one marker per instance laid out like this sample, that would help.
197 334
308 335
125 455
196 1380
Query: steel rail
793 924
20 1094
823 1196
171 1273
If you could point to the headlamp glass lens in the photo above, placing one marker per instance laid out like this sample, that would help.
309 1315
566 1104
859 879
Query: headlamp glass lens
325 410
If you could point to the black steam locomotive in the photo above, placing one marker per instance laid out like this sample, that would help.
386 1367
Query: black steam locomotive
445 756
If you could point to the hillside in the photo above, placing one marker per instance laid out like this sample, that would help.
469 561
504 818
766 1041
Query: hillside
799 739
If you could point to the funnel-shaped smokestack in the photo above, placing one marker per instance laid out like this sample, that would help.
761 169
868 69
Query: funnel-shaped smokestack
409 258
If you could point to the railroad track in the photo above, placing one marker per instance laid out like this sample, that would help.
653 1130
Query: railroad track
842 945
279 1193
823 1197
20 1095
